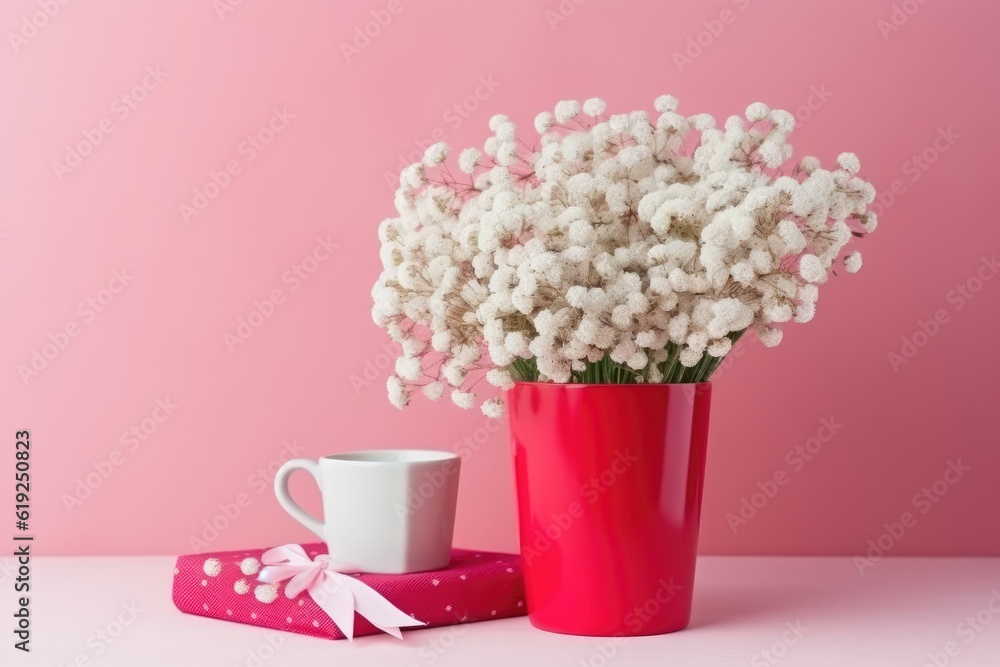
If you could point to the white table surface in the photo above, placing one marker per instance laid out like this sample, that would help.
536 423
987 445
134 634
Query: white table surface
898 613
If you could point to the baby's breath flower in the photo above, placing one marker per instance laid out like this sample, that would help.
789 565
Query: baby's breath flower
853 262
413 176
648 244
757 111
665 103
493 408
408 368
507 154
783 120
566 110
808 293
463 399
720 347
809 164
812 269
769 336
499 377
690 358
505 132
433 390
544 122
804 312
497 120
468 160
435 154
595 106
849 162
398 395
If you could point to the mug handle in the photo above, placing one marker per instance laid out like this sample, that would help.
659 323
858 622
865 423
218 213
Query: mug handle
285 498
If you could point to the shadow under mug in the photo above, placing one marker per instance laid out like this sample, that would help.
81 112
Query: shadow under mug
388 511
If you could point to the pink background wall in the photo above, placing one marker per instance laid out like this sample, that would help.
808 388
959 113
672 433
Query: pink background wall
156 333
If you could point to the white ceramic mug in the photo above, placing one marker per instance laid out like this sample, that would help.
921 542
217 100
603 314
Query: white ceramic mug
387 511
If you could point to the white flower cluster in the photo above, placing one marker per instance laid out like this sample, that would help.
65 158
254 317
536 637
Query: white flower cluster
649 243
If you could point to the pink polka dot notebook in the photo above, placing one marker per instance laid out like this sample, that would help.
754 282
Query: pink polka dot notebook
476 586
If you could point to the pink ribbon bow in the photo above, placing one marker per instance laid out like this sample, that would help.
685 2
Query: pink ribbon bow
339 595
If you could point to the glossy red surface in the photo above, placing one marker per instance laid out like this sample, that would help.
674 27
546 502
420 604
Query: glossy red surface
609 484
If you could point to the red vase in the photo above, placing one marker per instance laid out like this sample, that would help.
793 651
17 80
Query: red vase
609 483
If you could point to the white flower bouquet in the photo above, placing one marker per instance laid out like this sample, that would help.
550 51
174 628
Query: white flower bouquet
616 250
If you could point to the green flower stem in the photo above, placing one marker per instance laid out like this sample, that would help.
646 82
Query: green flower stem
606 371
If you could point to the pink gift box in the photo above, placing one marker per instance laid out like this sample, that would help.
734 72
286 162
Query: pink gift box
476 586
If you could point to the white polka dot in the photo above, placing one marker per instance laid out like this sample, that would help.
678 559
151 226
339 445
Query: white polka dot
435 582
266 593
289 619
205 606
249 566
493 613
212 567
315 624
448 608
204 583
229 611
479 555
301 602
254 616
241 587
176 571
520 604
462 577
